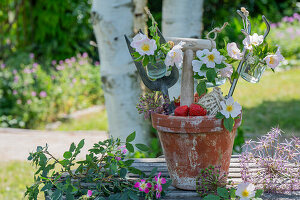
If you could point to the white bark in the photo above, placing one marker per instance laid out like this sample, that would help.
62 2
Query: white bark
112 19
181 18
140 18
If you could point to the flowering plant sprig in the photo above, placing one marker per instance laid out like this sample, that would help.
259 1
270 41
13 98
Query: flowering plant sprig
151 50
230 111
153 188
105 170
208 66
278 162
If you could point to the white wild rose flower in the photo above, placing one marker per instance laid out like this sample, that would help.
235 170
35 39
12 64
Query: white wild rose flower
175 56
254 39
274 60
143 45
230 108
197 64
245 191
226 71
233 51
211 58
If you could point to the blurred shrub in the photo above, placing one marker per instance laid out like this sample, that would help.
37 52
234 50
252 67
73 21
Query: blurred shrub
30 95
286 34
53 29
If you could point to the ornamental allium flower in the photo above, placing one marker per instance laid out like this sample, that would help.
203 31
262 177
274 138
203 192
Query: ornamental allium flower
2 66
85 55
175 56
43 94
136 39
89 193
15 92
211 58
245 191
143 186
53 62
118 158
233 51
278 163
274 60
33 93
34 65
31 55
230 108
226 71
145 46
29 102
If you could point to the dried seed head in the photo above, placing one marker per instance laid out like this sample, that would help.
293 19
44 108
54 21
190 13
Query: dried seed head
171 43
245 11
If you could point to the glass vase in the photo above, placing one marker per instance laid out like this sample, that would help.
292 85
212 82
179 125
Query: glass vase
219 81
158 70
252 72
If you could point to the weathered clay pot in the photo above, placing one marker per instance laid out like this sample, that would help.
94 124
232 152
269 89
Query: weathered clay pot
193 143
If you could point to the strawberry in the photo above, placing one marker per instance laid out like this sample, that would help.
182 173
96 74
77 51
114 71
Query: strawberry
177 101
181 111
197 110
197 98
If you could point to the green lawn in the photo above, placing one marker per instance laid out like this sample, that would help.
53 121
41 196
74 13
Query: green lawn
14 177
94 121
275 100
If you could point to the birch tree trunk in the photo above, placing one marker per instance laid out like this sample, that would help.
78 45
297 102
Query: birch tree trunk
181 18
111 20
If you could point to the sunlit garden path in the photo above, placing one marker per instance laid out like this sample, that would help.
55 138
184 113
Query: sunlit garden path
15 144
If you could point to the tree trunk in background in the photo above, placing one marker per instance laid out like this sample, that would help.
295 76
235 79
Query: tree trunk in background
111 20
181 18
140 18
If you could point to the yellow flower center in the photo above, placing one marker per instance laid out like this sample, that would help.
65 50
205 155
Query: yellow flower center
245 193
145 47
211 57
143 186
229 108
174 54
272 60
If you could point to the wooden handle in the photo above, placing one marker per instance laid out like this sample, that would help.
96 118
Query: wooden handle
187 80
193 44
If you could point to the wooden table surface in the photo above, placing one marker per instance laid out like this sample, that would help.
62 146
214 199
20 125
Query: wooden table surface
147 164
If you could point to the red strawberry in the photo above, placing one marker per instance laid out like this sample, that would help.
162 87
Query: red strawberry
181 111
197 98
177 101
197 110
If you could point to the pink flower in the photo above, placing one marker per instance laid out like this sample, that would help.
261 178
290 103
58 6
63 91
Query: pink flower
123 149
14 71
2 66
233 51
15 92
43 94
274 60
143 186
118 158
85 55
158 186
29 102
73 59
16 79
34 65
226 71
89 193
53 62
97 63
53 77
74 80
33 93
31 55
61 62
83 81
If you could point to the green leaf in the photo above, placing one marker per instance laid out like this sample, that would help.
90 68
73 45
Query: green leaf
201 88
128 162
72 147
220 66
56 195
219 115
228 123
168 183
135 170
142 147
133 196
129 147
145 61
64 162
67 155
139 59
223 192
258 193
232 193
39 148
130 137
154 171
211 197
81 144
136 54
123 172
211 75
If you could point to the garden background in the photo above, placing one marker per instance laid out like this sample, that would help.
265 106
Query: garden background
49 68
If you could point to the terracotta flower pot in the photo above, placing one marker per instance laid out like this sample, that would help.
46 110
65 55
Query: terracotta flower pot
193 143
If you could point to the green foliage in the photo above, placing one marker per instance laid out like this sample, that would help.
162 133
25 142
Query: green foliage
52 29
105 166
32 94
